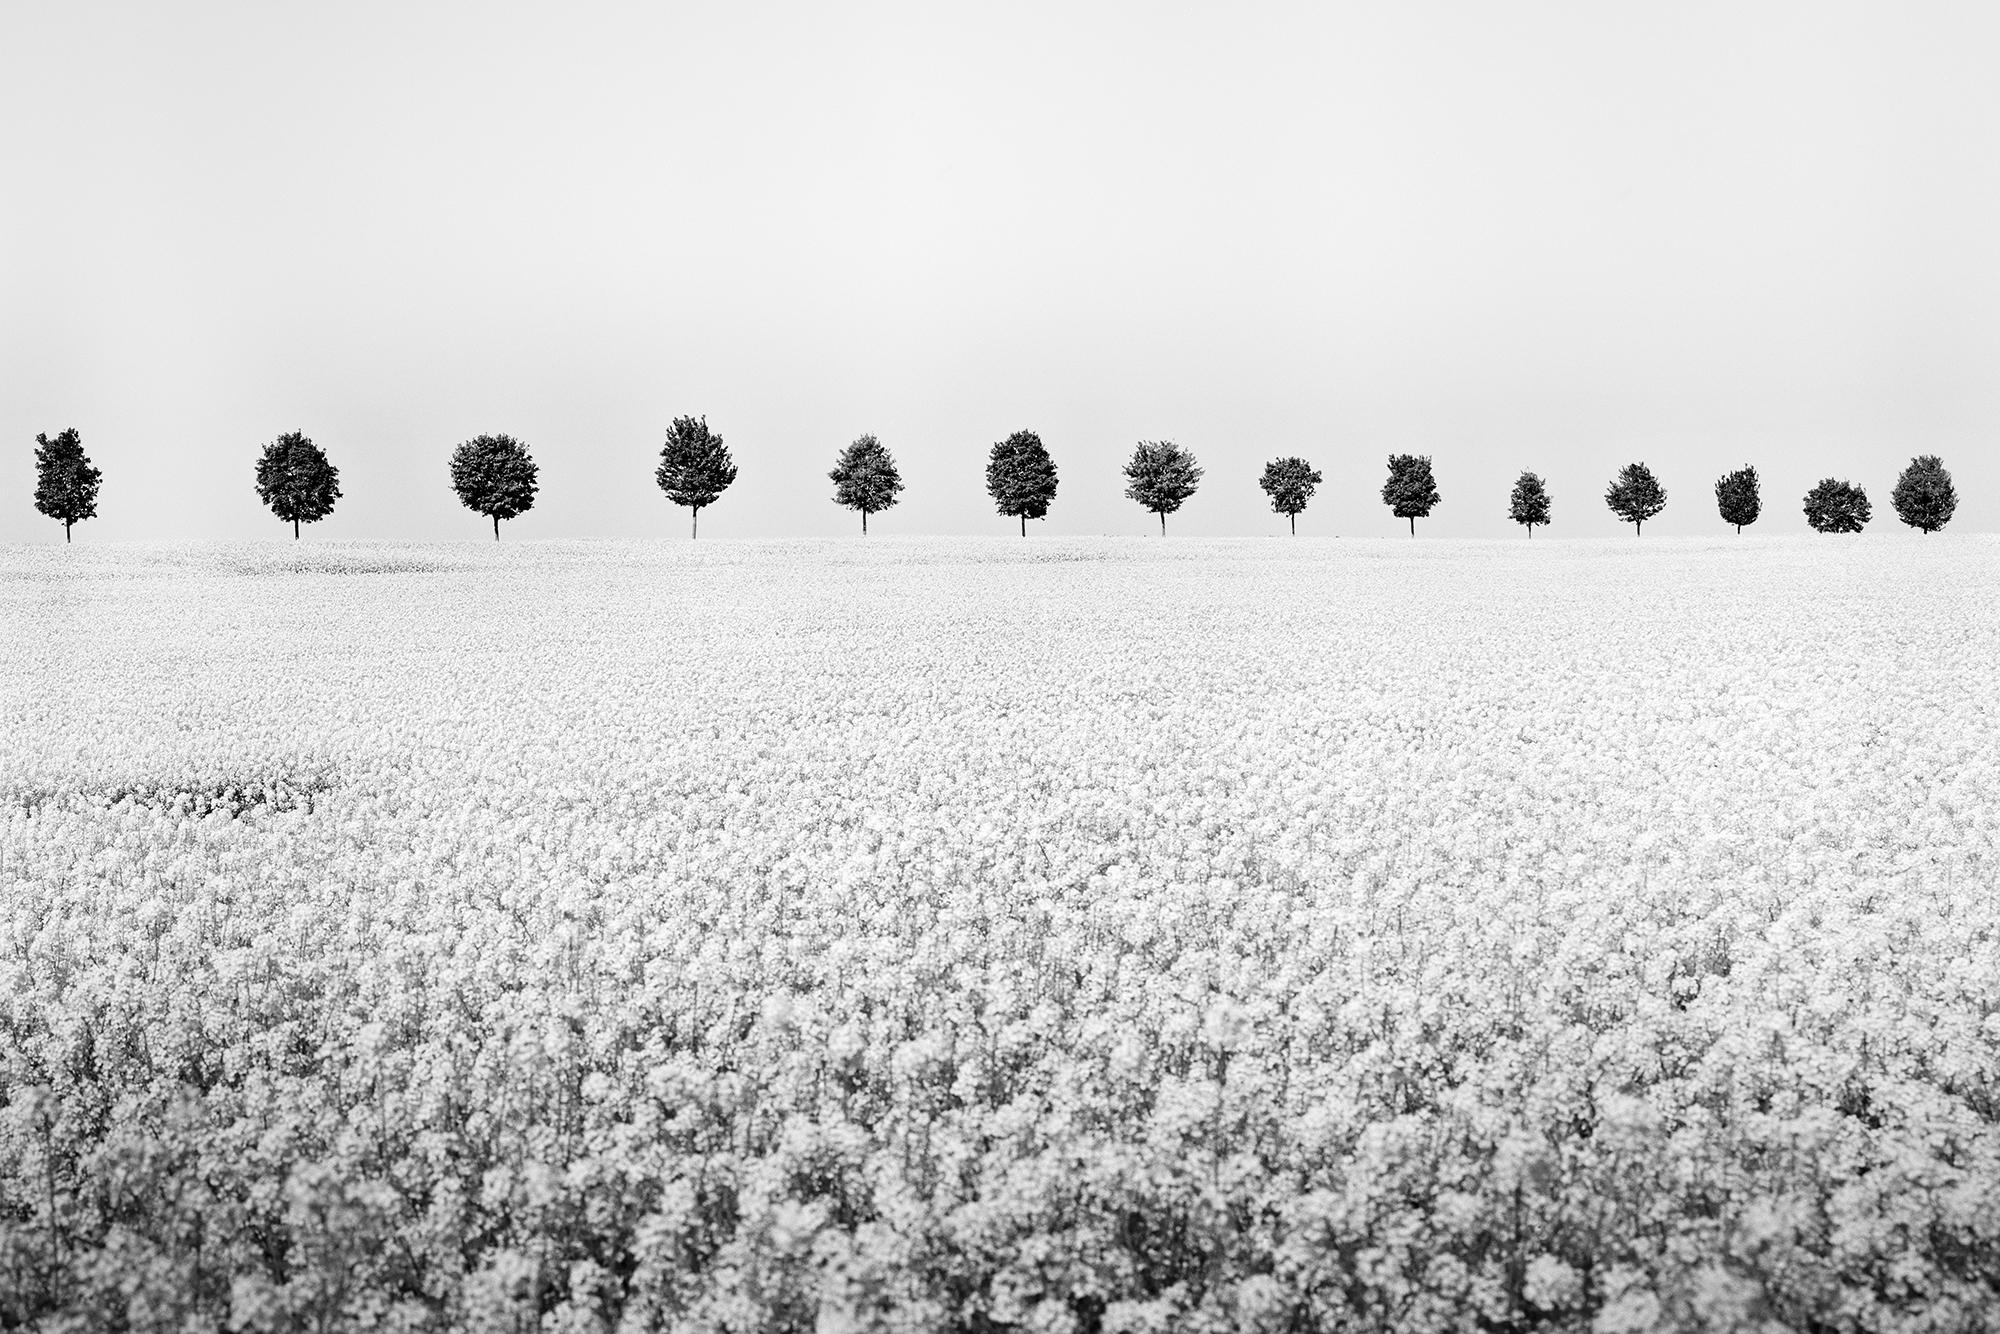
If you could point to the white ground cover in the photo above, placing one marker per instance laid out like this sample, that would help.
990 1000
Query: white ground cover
968 934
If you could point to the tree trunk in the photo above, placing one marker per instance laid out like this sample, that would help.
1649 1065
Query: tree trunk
66 524
1413 525
695 516
1531 532
1638 527
864 523
1295 523
295 530
1163 523
1739 530
1024 523
496 528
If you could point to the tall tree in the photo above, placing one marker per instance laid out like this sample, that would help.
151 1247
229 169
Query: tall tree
1924 496
1289 482
865 478
1529 504
1737 497
1161 475
1021 477
1837 507
695 467
297 481
65 482
1636 496
494 475
1411 491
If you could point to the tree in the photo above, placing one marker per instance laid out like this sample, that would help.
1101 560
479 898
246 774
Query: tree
695 468
1411 490
295 479
1530 502
1289 482
1021 477
1636 496
65 483
865 478
1924 496
1737 497
495 476
1160 475
1837 507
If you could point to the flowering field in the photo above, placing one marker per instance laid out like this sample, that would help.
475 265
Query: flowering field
1044 935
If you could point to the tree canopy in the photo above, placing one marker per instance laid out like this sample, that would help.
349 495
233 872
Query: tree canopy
1737 497
1411 491
1837 507
65 482
1161 475
1289 482
1635 495
1021 477
1924 496
494 475
865 478
1529 504
695 467
297 481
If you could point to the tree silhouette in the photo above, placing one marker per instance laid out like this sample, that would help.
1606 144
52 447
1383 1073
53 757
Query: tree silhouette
865 478
1837 507
1021 477
1161 475
1636 496
1738 498
1529 504
1289 482
1924 496
295 479
695 467
494 475
65 483
1411 491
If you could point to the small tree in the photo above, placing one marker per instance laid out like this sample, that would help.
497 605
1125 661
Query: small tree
865 478
1411 491
1837 507
494 475
695 467
65 483
1737 497
1924 496
1021 477
295 479
1530 502
1289 482
1160 475
1636 496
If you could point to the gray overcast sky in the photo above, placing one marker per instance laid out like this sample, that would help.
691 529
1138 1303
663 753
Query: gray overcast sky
1558 236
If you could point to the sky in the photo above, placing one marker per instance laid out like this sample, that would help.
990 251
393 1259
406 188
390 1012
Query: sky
1531 235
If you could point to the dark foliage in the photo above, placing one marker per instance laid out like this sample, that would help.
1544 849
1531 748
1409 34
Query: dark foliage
1737 497
1529 504
1289 482
1837 507
1411 491
1636 495
1924 496
1021 477
65 482
695 467
1161 475
296 480
494 475
865 478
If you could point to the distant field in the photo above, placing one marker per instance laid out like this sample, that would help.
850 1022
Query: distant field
1044 934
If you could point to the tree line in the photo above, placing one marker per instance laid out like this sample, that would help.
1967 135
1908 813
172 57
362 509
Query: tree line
495 476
